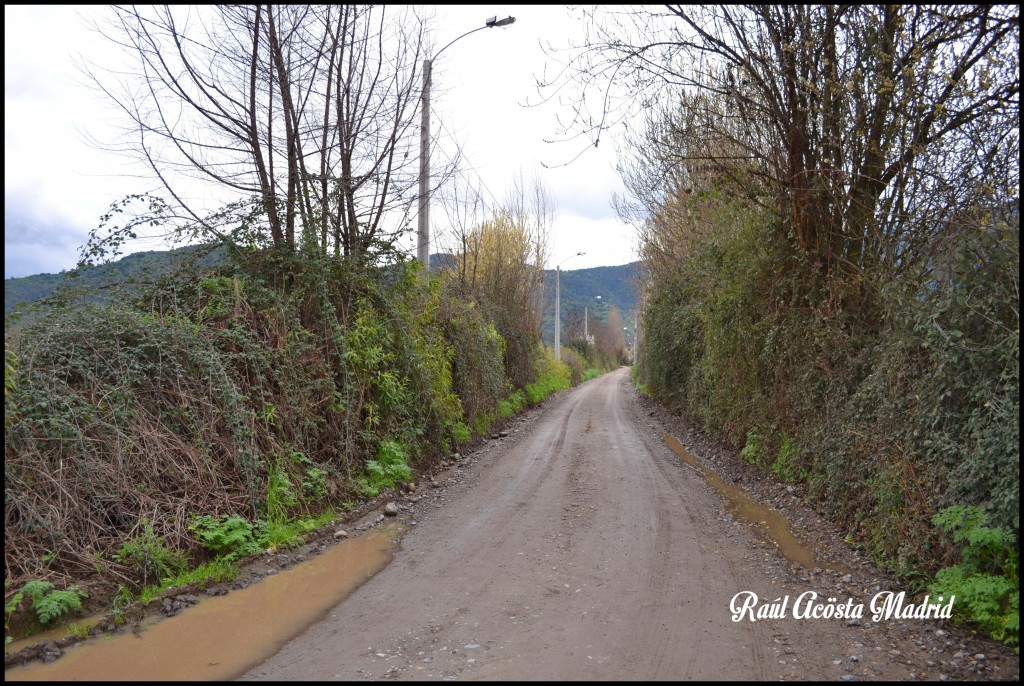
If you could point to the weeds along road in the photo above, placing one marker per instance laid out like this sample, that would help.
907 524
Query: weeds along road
579 549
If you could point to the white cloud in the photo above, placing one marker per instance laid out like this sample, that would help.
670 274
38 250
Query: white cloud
62 184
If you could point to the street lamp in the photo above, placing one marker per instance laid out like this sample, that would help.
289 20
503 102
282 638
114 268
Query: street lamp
586 319
423 244
558 306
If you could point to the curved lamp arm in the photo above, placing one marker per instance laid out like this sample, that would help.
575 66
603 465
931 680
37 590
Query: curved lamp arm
423 229
489 24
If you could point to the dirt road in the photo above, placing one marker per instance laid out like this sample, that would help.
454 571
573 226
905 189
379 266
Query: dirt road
581 548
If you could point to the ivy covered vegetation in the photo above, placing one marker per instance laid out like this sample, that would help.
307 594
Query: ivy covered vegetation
157 435
229 409
829 210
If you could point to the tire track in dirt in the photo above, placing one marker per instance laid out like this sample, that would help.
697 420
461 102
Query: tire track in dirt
581 549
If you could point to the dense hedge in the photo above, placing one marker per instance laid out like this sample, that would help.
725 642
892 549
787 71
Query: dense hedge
891 396
271 388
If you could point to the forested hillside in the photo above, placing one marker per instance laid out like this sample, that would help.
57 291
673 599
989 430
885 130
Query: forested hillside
597 289
93 282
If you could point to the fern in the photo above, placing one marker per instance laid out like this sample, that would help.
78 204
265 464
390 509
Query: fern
751 450
985 583
56 604
388 469
230 537
36 590
49 604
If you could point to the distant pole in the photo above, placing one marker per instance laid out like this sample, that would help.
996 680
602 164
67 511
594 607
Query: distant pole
558 306
423 244
586 337
558 315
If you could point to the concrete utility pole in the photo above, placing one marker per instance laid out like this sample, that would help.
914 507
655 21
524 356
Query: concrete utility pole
558 306
558 316
423 221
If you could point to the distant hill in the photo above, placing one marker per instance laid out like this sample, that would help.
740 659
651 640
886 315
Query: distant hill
579 287
616 285
27 289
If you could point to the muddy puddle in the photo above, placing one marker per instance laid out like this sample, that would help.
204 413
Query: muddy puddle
745 508
55 633
223 636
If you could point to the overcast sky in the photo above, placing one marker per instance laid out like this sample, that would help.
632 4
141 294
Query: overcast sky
57 185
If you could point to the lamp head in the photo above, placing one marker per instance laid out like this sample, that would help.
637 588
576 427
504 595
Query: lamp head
494 21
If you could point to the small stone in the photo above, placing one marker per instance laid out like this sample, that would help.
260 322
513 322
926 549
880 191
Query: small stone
456 456
847 579
894 653
411 487
848 677
503 434
959 655
940 633
340 533
980 657
854 658
943 677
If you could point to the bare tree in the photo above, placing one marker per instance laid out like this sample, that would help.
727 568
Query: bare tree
305 113
501 261
465 210
855 125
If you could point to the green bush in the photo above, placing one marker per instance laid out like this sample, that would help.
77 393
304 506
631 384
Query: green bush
985 582
478 352
575 364
512 405
281 493
48 603
895 393
271 385
461 433
784 466
551 376
389 468
230 537
751 452
149 557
